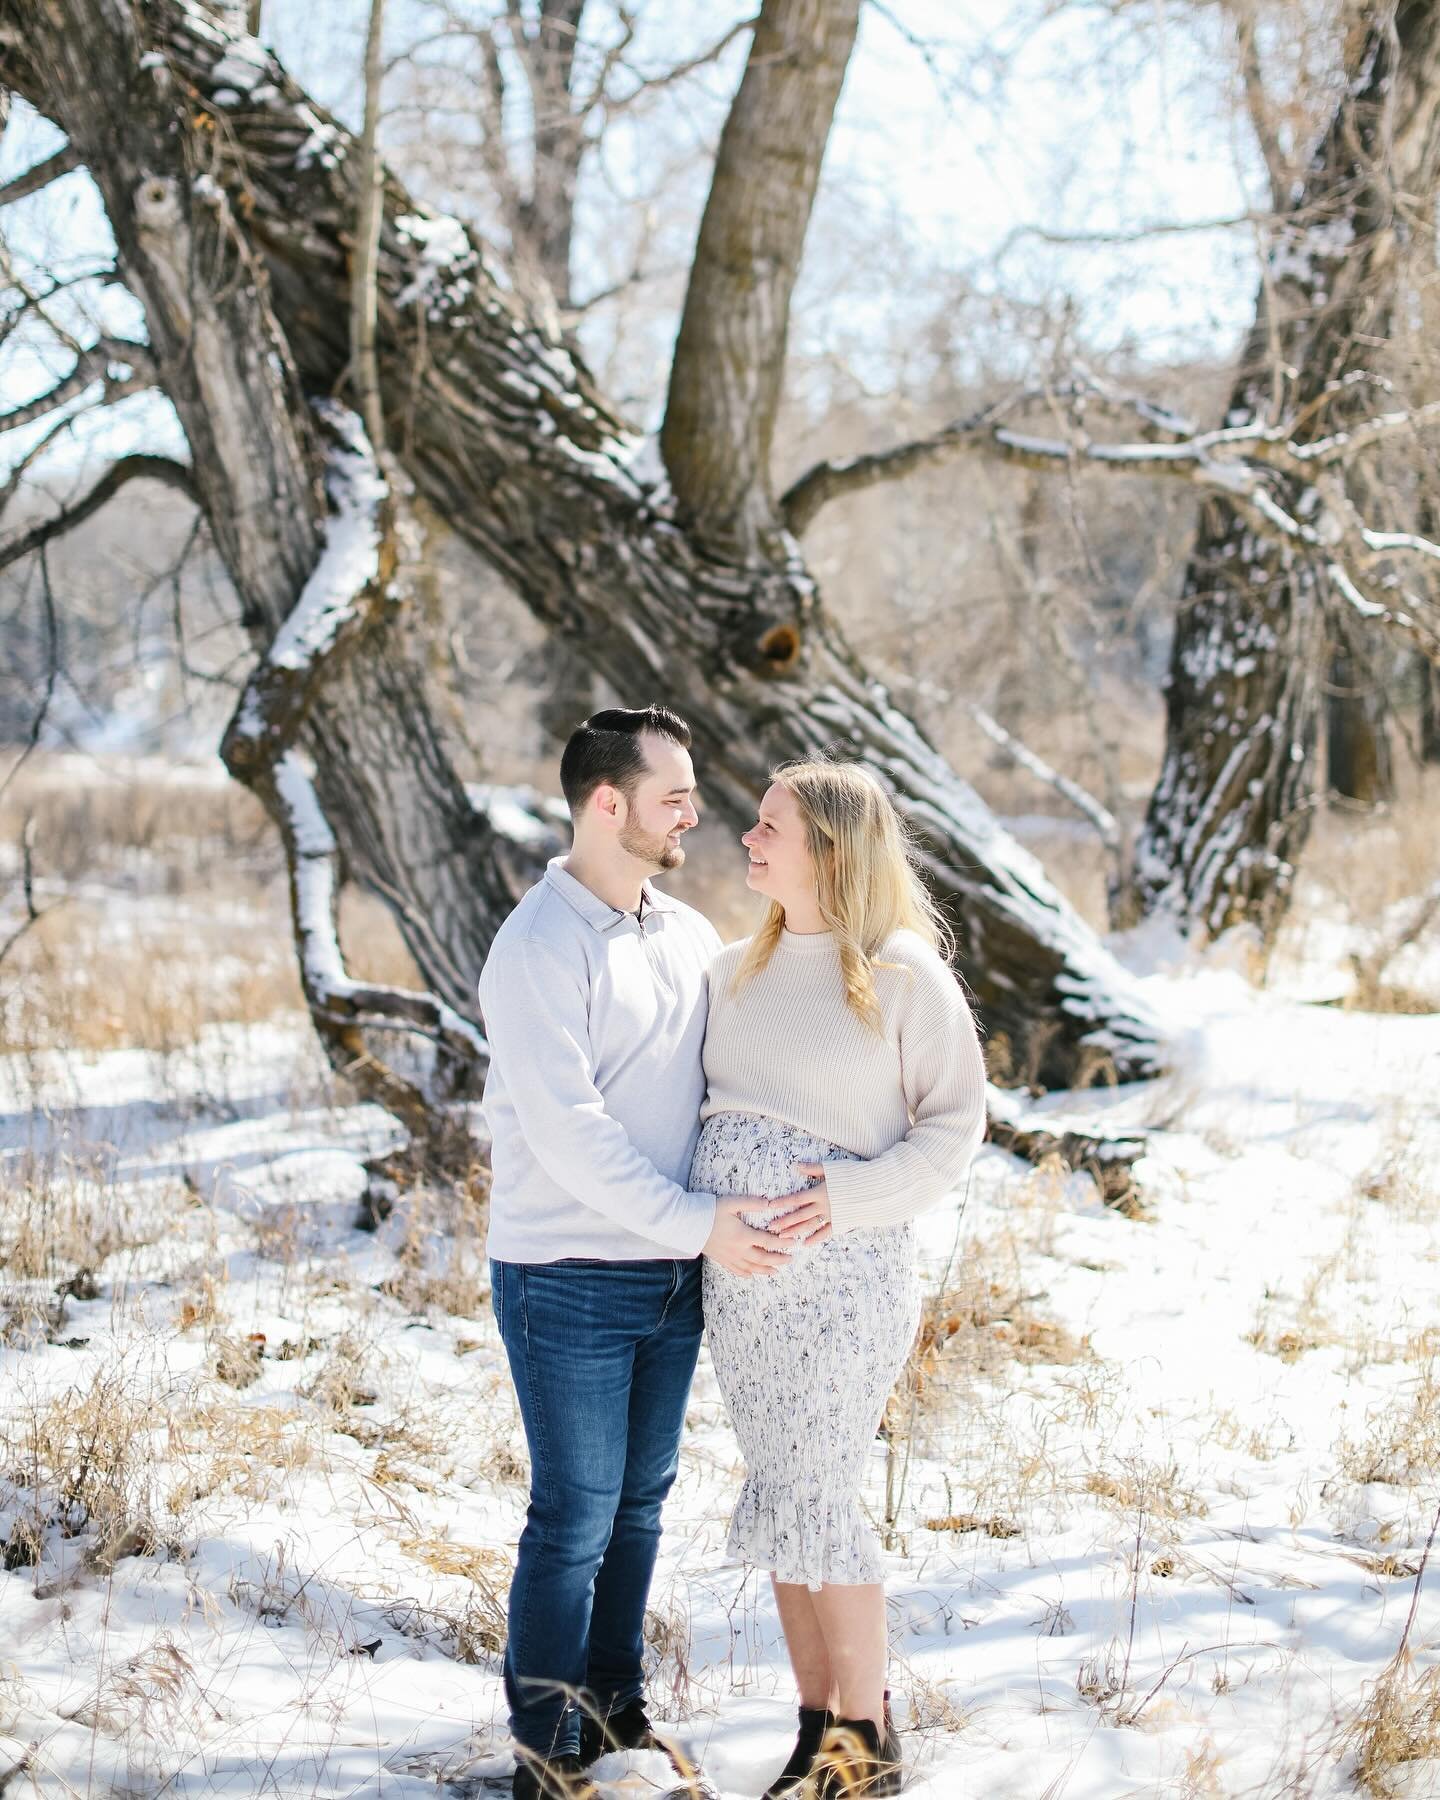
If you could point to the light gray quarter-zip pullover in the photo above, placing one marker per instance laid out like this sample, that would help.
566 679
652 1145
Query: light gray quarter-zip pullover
596 1026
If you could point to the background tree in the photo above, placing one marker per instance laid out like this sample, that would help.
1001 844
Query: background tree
233 200
1237 789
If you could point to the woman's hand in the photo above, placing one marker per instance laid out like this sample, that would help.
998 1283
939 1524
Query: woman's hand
809 1222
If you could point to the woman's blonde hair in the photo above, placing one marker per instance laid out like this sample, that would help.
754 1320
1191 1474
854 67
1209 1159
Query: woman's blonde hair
865 877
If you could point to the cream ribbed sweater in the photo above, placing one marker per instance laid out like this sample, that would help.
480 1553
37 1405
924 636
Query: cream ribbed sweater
911 1102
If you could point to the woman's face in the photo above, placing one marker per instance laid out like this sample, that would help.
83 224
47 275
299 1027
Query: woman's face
780 865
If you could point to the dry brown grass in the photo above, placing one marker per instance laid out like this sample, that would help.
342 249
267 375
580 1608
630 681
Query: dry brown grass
985 1319
961 1523
442 1262
94 815
983 1326
123 958
1401 1440
80 1465
1399 1724
341 1383
88 978
1155 1490
471 1625
250 1451
60 1212
63 1224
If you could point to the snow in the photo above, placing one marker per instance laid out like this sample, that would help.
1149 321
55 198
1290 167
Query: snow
350 560
322 140
241 67
444 248
522 814
1219 1493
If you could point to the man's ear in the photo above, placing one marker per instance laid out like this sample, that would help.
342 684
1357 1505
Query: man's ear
607 801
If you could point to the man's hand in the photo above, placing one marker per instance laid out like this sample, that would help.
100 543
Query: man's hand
739 1247
807 1213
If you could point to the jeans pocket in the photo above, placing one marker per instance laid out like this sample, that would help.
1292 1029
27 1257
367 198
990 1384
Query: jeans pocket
496 1283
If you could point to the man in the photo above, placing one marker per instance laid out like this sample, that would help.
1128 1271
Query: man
594 999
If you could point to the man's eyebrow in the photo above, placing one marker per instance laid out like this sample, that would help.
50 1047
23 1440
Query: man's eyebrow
683 790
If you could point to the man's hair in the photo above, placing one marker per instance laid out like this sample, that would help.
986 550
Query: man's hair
605 751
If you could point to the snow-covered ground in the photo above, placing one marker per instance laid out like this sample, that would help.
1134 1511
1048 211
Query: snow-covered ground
1158 1508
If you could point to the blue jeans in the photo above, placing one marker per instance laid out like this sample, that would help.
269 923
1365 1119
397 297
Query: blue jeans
602 1355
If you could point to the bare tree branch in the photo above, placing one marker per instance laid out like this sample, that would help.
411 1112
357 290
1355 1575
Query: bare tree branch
30 301
41 175
1107 826
649 84
1128 234
92 365
1238 463
347 592
42 443
33 915
129 468
363 297
1258 106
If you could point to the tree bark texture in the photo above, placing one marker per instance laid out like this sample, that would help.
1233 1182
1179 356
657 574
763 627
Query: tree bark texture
730 355
1233 803
367 240
500 429
380 765
1359 760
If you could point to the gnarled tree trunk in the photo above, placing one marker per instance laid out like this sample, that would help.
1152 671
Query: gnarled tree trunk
1233 803
337 733
501 430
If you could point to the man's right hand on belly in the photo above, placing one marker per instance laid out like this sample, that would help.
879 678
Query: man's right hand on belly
739 1247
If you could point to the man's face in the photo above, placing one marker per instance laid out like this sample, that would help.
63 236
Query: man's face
662 807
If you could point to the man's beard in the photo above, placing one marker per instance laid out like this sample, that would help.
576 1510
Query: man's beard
658 852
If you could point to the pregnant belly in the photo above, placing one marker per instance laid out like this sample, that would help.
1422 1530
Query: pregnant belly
750 1153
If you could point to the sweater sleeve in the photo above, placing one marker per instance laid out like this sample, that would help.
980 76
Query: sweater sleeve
537 1021
943 1073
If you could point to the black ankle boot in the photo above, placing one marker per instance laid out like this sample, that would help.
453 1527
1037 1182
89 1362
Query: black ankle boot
857 1761
552 1778
815 1721
627 1728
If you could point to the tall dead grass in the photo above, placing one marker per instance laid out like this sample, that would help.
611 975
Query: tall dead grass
82 1467
63 1222
1399 1723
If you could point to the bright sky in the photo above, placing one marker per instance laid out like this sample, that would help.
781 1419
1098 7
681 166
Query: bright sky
934 165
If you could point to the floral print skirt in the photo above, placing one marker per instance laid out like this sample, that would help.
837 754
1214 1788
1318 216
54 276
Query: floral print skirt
806 1360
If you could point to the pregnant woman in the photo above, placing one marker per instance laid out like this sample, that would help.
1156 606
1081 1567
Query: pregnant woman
841 1052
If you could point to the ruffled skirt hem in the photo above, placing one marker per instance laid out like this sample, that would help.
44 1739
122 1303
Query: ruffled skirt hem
806 1538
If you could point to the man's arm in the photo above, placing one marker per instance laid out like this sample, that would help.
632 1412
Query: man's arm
539 1031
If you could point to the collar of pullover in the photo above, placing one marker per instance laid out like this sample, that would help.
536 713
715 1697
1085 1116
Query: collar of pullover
592 909
806 943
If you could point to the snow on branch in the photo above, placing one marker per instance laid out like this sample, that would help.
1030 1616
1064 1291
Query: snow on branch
344 589
1107 1155
1288 489
1099 815
314 860
128 468
351 581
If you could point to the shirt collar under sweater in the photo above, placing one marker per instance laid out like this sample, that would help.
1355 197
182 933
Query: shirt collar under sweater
597 912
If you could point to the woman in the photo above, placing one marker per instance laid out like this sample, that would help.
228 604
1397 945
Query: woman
840 1051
